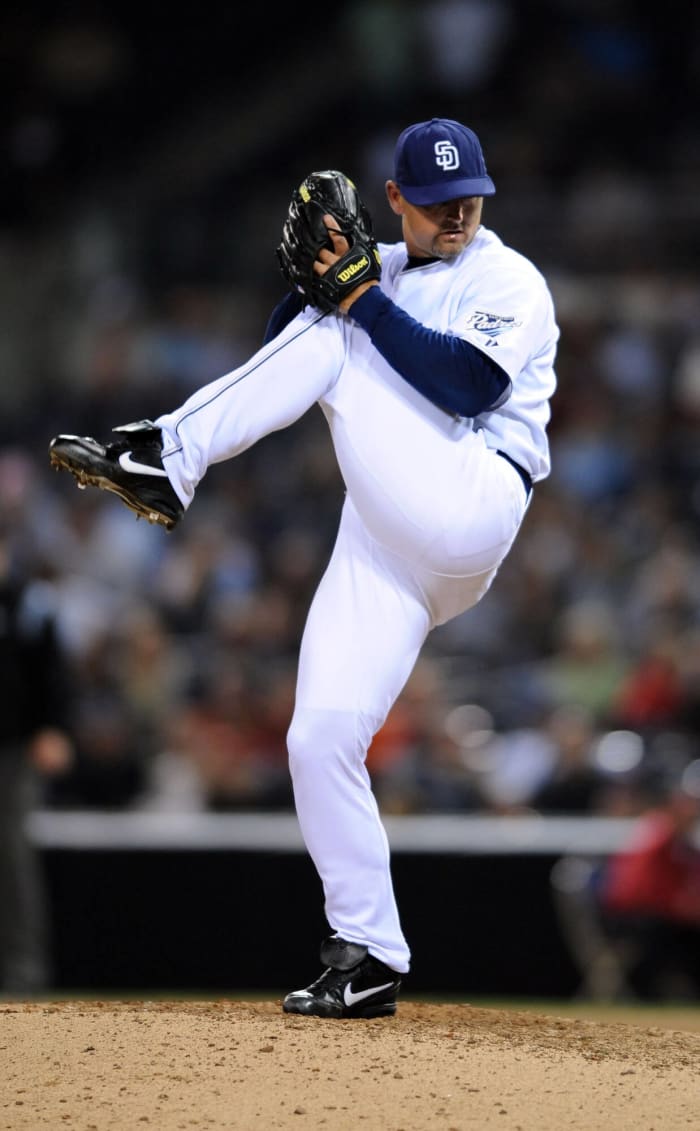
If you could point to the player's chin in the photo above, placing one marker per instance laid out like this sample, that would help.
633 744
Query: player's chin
449 244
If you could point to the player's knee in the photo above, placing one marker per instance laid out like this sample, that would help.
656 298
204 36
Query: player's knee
322 738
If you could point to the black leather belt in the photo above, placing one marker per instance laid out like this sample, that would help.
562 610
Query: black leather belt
527 481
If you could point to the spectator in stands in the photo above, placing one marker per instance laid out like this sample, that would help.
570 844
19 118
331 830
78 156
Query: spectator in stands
574 784
588 662
650 893
34 741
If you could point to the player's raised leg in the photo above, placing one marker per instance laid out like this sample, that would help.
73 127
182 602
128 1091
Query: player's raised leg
154 466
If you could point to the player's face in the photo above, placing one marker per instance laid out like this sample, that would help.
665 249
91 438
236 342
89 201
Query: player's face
437 230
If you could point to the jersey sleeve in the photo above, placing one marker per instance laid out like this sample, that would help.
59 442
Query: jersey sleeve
445 368
510 319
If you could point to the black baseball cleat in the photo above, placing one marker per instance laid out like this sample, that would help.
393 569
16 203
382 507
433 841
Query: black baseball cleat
354 985
129 466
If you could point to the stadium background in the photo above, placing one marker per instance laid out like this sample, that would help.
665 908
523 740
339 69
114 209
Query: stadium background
148 165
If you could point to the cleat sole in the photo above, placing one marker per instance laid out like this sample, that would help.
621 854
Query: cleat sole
84 480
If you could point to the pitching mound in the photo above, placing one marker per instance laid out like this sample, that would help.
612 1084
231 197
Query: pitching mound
103 1066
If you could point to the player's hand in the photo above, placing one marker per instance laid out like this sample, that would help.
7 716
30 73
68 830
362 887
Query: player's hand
327 258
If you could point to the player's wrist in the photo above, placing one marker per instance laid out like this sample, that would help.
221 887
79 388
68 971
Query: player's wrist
347 302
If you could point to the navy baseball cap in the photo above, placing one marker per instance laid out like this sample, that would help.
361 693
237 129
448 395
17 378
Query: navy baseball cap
440 160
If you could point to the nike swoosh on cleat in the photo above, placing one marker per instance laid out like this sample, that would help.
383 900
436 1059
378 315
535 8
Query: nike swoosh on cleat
351 998
128 464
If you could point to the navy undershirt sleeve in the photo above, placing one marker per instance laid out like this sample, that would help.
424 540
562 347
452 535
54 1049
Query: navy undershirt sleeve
282 315
452 373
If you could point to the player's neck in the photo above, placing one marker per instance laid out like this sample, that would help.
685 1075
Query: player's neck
420 261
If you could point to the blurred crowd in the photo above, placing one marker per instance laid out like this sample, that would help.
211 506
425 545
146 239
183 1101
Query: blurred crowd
575 686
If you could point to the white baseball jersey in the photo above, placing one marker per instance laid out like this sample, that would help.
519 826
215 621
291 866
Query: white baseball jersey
430 513
496 299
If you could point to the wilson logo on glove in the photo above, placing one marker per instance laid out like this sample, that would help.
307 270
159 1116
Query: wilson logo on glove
353 269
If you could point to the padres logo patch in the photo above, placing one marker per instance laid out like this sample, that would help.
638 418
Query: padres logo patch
492 325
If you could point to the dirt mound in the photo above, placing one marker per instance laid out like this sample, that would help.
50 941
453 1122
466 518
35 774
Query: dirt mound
103 1066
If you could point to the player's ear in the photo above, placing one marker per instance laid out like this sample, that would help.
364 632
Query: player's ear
393 194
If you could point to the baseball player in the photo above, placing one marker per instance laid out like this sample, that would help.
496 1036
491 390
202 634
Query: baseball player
432 360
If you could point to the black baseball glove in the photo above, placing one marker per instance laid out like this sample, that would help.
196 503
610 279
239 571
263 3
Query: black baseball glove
304 234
